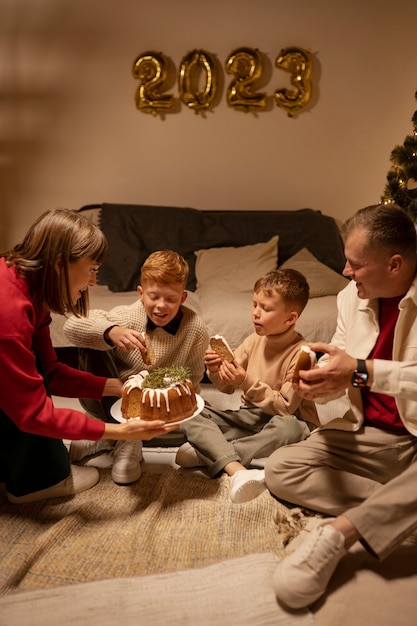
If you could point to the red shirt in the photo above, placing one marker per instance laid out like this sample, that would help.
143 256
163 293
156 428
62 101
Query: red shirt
381 410
23 396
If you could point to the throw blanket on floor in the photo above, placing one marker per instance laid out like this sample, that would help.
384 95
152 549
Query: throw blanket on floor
134 231
163 523
238 591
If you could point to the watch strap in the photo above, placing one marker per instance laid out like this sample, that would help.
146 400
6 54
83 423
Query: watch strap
361 366
360 375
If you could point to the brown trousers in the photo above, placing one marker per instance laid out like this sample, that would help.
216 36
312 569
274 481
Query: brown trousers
370 476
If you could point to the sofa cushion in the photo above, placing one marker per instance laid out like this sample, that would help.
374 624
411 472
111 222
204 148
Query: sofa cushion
235 268
322 279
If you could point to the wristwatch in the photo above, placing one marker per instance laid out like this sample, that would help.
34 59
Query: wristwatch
360 375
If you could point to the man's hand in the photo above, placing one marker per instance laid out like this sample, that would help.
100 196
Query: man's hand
329 379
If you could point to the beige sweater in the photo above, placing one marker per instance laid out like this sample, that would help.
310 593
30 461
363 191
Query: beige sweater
187 347
268 361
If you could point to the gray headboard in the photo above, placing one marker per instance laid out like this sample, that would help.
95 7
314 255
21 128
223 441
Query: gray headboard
134 231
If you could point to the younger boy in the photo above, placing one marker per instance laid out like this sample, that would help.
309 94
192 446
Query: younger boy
271 413
177 336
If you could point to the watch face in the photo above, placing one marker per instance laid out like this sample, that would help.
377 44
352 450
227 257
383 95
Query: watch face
359 379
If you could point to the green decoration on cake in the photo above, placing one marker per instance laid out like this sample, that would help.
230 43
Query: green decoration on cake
165 376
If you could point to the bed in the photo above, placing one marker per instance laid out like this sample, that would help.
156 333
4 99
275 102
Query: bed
226 251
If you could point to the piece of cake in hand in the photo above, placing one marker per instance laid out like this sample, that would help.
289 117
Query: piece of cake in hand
166 394
222 348
149 358
306 360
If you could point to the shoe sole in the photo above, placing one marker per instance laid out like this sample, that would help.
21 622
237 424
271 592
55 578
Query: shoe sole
249 491
122 479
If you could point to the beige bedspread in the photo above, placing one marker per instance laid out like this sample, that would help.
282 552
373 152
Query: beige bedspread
227 314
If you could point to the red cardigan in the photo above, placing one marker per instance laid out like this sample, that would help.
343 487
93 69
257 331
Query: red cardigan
23 396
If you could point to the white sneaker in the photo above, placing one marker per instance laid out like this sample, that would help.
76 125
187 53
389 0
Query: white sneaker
302 536
302 577
246 485
80 479
82 450
127 456
187 456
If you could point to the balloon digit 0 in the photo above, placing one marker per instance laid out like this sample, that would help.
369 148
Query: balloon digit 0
192 65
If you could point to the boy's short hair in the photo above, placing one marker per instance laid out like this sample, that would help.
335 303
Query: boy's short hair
290 284
165 266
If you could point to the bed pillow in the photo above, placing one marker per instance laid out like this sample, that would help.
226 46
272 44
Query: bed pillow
235 269
322 279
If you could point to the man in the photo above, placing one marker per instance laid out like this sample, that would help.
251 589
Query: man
359 467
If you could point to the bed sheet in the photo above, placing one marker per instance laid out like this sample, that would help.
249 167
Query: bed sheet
227 314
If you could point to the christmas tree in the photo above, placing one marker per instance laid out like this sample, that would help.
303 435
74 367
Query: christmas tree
401 186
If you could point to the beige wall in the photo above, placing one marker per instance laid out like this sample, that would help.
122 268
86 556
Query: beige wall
71 135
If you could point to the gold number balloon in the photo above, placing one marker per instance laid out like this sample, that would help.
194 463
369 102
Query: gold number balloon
192 65
151 69
246 65
298 62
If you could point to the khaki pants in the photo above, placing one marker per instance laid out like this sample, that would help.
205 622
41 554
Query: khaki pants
370 476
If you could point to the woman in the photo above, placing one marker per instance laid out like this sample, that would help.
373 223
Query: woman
50 271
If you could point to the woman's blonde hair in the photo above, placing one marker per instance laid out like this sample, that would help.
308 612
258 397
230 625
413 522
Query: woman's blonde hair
57 235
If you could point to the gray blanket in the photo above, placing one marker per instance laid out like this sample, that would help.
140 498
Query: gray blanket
134 231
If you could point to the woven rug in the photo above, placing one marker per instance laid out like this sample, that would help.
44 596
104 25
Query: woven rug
163 523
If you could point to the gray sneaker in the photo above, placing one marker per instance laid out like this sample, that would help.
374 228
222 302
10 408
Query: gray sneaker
83 449
187 456
302 577
127 456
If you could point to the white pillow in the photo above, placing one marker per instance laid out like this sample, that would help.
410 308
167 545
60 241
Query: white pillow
235 269
323 281
227 313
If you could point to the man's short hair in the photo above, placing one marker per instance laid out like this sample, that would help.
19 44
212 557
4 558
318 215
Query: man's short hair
389 228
